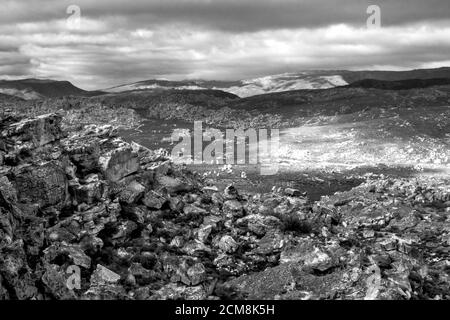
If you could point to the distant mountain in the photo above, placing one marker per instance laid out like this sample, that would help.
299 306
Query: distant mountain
31 89
245 88
438 73
316 79
348 99
400 84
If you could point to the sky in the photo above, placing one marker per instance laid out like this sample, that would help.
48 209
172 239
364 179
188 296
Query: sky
104 43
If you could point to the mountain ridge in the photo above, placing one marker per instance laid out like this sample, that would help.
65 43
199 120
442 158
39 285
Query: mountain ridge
312 79
34 89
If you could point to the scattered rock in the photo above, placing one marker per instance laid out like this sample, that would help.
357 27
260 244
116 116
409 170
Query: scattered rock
152 230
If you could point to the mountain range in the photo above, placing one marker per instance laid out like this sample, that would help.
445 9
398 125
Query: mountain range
31 89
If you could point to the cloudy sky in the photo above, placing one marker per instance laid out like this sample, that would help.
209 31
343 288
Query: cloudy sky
115 42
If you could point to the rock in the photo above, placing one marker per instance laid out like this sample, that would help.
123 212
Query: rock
177 242
77 256
153 200
259 224
92 198
230 193
45 184
124 230
90 192
173 185
105 292
271 243
293 192
266 284
193 247
196 274
233 209
217 198
56 283
318 260
192 209
173 291
203 232
119 163
38 131
141 274
227 244
104 276
133 192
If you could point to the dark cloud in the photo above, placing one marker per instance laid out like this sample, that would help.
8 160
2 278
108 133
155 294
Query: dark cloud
232 15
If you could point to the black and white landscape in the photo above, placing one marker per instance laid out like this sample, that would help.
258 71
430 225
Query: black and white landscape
353 204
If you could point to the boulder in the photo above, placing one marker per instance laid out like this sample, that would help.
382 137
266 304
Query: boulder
227 244
104 276
154 200
35 132
233 209
91 191
259 224
55 281
172 185
44 184
119 163
132 193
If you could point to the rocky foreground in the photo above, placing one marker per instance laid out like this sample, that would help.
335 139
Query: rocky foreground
139 227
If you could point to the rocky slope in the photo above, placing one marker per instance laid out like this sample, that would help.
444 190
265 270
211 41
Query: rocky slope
281 109
139 227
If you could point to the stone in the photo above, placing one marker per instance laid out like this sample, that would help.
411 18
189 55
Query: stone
38 131
173 185
271 243
318 260
173 291
74 252
132 193
192 209
104 276
292 192
45 184
90 192
227 244
230 193
259 224
196 274
233 209
193 247
55 283
119 163
266 284
177 242
203 232
154 200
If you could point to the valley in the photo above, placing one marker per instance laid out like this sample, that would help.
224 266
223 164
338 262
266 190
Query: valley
362 183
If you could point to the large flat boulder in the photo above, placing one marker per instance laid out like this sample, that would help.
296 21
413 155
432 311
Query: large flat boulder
45 184
36 132
119 163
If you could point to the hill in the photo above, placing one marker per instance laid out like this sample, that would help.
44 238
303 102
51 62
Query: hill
31 89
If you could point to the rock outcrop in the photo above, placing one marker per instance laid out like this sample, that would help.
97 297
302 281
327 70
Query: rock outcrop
86 215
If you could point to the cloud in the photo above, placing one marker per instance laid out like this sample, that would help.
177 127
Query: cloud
230 15
120 42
